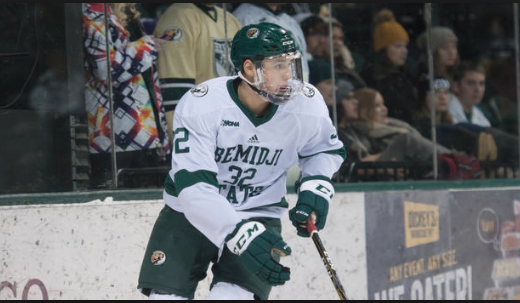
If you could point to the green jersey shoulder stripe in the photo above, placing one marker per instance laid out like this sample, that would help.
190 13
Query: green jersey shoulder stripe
185 179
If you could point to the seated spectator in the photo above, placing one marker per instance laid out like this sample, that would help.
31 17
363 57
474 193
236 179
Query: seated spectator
387 73
362 147
402 141
321 77
371 135
444 49
343 62
468 87
452 136
316 33
422 117
469 82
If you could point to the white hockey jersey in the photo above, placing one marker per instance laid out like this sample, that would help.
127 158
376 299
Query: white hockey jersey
228 165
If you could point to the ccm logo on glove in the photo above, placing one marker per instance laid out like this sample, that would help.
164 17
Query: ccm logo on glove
244 237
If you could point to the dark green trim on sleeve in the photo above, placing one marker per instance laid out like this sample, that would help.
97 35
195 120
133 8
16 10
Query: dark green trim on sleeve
174 88
185 179
169 186
174 94
342 152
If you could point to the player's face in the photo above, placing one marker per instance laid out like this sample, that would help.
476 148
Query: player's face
277 72
281 76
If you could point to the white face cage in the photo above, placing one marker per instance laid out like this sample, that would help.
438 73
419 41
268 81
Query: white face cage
278 79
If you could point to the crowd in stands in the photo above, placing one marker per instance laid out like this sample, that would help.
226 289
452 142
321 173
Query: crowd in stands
384 106
393 122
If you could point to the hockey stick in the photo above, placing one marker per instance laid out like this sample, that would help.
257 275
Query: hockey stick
326 260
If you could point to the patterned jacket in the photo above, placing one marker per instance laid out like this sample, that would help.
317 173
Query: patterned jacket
139 119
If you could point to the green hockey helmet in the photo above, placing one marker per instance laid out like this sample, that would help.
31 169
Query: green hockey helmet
259 41
268 45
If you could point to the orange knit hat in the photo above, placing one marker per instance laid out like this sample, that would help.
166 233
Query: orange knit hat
387 31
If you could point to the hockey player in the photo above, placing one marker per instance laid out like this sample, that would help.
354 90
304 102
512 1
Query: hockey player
234 140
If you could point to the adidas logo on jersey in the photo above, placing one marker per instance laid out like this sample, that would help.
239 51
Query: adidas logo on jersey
253 140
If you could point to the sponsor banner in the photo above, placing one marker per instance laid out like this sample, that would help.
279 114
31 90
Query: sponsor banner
94 250
486 229
441 245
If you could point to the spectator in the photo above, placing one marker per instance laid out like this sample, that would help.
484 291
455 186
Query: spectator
139 122
347 109
387 73
321 77
402 142
469 86
458 137
252 13
316 33
422 117
360 146
469 82
197 49
444 49
343 62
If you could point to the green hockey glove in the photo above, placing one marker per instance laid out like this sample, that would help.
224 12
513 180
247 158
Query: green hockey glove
314 196
255 245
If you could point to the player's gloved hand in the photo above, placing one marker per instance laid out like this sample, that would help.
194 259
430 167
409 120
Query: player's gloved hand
314 196
256 245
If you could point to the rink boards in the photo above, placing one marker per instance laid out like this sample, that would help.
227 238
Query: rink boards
434 244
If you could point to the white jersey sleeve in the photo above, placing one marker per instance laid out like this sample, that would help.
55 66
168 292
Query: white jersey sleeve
193 177
323 154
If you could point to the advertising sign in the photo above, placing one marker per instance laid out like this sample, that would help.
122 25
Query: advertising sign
443 245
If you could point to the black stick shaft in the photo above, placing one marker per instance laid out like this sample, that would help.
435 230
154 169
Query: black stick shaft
326 260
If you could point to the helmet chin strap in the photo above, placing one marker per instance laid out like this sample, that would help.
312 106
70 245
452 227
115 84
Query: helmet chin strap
265 96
